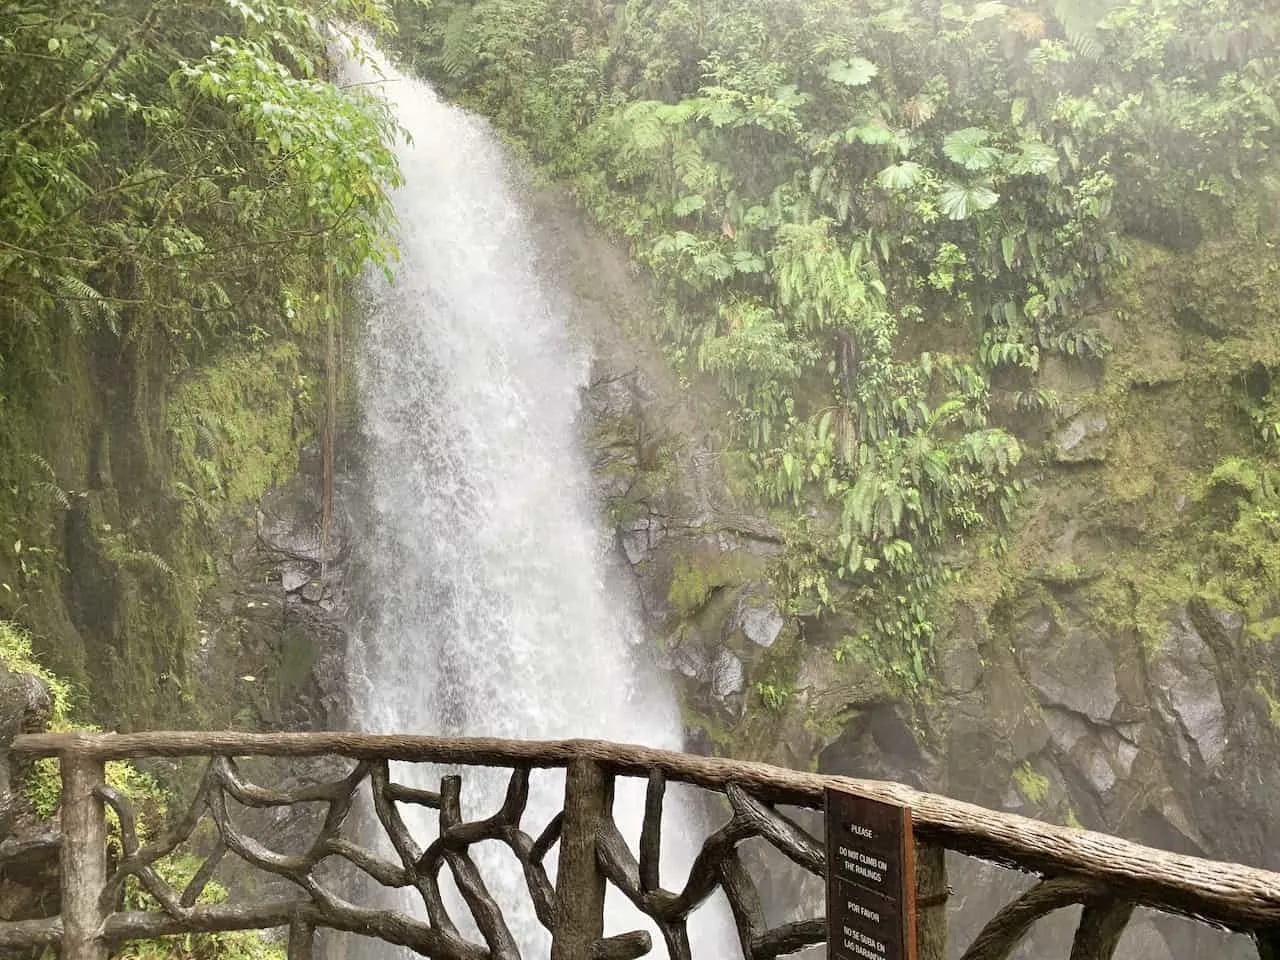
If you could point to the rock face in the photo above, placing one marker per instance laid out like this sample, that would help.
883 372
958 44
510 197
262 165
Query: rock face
273 628
1071 682
28 847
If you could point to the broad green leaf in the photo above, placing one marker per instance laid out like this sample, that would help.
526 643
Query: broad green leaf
960 200
1008 245
989 9
968 147
900 176
873 134
687 205
854 72
1035 158
824 427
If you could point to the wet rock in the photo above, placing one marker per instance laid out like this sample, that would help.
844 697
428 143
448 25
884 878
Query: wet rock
1066 728
982 748
1120 750
25 707
288 525
269 616
959 658
689 661
728 676
611 398
1093 762
1075 670
25 704
1187 696
293 579
758 617
880 743
1084 437
640 536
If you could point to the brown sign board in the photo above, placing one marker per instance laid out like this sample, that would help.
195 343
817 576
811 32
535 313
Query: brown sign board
870 879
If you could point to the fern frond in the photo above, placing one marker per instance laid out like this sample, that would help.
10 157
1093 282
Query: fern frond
148 559
82 301
50 487
458 48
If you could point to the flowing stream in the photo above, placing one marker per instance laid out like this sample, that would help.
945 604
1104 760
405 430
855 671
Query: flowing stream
486 610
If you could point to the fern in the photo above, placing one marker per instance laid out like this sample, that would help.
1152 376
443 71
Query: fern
459 47
82 302
1079 20
50 486
147 558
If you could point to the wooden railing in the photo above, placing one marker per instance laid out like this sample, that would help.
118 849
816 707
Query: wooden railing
1109 876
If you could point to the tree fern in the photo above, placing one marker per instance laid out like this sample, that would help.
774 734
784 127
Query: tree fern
458 45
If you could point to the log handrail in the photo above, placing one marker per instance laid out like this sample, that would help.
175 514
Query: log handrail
1107 875
1232 895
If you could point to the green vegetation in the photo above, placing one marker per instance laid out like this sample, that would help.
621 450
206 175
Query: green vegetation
183 195
178 871
1033 786
868 220
42 789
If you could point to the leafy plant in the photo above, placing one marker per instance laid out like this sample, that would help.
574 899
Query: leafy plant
815 184
184 189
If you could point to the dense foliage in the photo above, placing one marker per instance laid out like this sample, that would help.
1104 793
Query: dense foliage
181 192
865 215
42 789
173 172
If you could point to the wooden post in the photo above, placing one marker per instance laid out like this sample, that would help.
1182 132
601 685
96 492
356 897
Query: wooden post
931 902
84 857
580 883
301 940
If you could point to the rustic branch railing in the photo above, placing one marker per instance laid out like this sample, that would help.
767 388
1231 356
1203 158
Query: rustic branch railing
1109 876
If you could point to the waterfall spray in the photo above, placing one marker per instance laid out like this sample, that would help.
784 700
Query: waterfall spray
486 610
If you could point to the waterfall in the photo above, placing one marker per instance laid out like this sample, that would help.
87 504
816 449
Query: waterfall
486 610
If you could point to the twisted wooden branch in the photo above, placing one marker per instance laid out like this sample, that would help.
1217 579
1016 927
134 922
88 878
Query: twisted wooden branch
427 885
1104 873
1007 928
1102 923
716 864
455 837
624 946
1231 895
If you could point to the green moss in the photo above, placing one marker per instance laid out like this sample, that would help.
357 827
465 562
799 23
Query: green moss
1262 687
695 578
1263 630
689 588
234 426
1184 505
1033 786
16 653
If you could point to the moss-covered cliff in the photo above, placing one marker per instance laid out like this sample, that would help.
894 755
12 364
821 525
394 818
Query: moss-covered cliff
119 480
182 198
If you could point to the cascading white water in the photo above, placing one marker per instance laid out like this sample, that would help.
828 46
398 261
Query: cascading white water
488 614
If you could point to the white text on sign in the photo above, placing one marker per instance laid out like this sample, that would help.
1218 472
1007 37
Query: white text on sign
863 945
863 865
